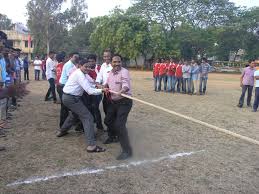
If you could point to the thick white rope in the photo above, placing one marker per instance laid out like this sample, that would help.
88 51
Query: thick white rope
248 139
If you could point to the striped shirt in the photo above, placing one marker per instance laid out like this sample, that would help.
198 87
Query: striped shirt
204 70
248 76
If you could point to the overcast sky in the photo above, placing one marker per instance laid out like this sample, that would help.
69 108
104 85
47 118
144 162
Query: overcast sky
16 10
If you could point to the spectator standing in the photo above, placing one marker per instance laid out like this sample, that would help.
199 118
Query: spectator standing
186 77
247 83
37 67
162 75
204 71
171 76
51 74
178 76
156 67
26 68
195 76
256 100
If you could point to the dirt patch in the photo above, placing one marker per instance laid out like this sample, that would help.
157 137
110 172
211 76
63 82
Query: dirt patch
227 165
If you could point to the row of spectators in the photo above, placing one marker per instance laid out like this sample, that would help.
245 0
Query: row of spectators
10 83
181 76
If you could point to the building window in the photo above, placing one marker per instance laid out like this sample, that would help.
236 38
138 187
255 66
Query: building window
26 43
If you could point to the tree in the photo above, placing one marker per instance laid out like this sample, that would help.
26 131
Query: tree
50 26
45 21
172 13
239 34
127 35
77 14
79 37
5 22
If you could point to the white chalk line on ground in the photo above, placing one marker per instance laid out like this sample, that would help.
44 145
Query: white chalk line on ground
100 170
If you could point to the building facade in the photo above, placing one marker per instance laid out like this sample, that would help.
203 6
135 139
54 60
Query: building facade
20 39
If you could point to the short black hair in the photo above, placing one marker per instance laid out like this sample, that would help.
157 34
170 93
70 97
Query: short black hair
83 61
91 56
251 60
116 55
51 52
60 57
204 59
107 50
73 53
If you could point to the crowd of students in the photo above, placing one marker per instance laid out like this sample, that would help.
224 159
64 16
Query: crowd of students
188 77
11 88
81 85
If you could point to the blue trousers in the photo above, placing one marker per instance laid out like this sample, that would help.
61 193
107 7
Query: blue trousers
164 78
203 84
156 83
179 82
170 83
249 95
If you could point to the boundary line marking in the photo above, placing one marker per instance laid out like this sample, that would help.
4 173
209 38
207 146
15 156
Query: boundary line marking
84 171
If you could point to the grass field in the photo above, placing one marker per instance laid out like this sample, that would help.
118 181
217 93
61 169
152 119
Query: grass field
219 163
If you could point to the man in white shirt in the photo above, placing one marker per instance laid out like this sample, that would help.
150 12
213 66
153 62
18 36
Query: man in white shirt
105 68
51 74
37 63
102 79
256 100
72 98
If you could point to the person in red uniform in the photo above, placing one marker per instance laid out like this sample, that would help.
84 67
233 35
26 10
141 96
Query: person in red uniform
171 76
162 75
95 99
156 74
60 57
178 76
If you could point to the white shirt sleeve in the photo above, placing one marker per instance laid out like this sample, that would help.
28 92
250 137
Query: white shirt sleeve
84 83
48 65
99 78
66 72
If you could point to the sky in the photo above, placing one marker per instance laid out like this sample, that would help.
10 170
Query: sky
16 9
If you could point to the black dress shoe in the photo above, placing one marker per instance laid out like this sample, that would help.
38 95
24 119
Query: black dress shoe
124 156
62 133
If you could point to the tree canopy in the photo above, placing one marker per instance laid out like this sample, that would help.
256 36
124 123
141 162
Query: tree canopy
5 22
187 29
